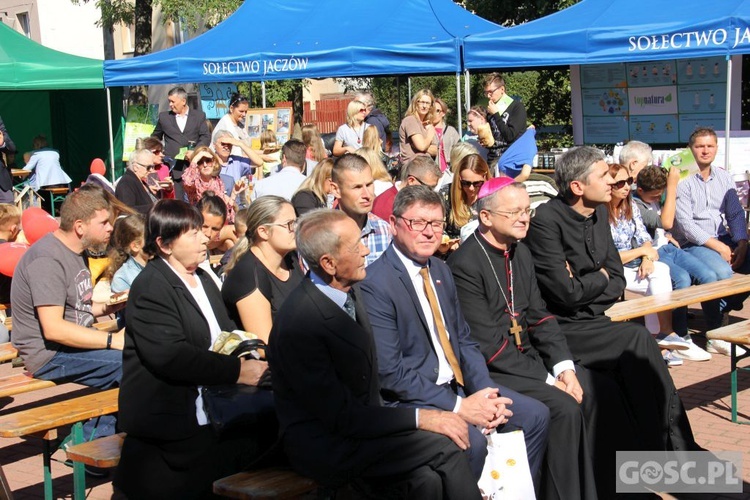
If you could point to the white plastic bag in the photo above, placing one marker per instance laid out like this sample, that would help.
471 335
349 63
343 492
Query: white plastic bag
506 474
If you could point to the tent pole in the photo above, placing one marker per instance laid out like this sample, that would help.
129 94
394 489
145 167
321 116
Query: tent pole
111 139
408 87
398 92
263 93
467 90
458 104
727 123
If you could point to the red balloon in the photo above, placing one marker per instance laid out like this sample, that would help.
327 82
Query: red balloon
37 224
97 166
10 254
30 214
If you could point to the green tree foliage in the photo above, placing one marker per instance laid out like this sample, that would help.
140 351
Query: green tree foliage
545 92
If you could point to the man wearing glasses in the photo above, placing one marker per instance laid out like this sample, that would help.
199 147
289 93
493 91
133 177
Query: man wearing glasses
497 290
580 275
135 189
507 117
426 357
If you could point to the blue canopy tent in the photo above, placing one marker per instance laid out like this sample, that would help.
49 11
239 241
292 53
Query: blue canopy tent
277 39
609 31
616 31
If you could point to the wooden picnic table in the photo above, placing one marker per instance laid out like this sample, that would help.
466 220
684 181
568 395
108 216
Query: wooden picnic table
19 172
641 306
44 421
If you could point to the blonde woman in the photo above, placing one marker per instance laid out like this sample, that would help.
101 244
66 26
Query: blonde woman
471 173
416 133
316 190
350 135
383 181
263 269
316 151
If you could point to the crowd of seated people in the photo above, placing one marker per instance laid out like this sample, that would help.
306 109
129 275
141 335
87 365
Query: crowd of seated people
405 319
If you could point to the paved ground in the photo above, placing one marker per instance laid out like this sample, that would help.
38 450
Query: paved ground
704 388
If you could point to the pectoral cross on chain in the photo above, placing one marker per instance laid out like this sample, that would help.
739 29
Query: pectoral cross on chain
516 330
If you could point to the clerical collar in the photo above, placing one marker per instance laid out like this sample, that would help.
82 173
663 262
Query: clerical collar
505 253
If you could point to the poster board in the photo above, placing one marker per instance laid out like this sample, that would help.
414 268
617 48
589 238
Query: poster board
140 122
215 98
657 102
280 121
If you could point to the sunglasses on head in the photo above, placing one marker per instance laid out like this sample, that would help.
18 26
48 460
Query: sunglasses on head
476 184
621 184
238 100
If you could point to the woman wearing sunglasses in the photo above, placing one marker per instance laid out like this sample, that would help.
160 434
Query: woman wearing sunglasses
135 189
203 175
263 269
234 122
350 135
470 174
416 133
643 273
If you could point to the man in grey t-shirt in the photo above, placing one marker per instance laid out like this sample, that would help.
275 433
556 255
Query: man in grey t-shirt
52 307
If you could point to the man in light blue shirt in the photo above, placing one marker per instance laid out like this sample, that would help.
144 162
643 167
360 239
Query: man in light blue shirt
710 222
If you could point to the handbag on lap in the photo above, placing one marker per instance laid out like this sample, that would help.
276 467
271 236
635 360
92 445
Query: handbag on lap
232 405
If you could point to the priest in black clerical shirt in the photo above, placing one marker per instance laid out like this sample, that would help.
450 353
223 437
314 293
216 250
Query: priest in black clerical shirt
580 275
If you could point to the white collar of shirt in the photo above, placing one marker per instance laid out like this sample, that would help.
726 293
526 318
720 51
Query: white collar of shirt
412 268
445 372
182 120
337 296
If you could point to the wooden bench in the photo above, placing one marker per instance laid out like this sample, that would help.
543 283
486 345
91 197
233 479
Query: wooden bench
10 385
56 195
102 452
44 421
269 483
737 334
635 308
7 352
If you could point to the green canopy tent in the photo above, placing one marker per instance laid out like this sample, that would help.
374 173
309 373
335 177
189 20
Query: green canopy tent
43 91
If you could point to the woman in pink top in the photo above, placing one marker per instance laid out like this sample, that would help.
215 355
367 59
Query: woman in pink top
203 175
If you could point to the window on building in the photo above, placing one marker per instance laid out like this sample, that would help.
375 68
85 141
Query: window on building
23 23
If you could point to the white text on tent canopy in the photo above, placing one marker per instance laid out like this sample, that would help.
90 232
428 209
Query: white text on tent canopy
239 68
706 38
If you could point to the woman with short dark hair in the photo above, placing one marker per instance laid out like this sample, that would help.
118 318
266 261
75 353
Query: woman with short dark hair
174 315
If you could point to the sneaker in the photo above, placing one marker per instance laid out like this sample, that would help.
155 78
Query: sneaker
723 347
672 342
671 359
693 353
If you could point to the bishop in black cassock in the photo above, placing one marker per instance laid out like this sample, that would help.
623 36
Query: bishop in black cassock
496 282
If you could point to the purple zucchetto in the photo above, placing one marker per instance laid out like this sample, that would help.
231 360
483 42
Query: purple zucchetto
493 185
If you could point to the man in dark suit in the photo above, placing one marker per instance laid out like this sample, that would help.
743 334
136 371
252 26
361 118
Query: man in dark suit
6 179
426 357
181 127
334 427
